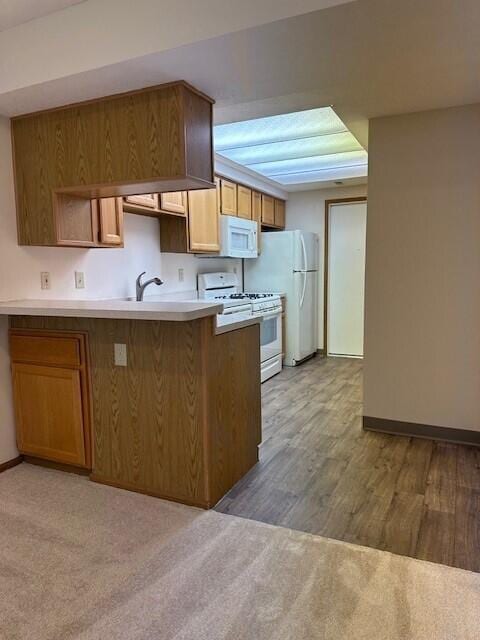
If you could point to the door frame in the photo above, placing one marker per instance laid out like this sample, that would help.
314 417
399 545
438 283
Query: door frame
328 204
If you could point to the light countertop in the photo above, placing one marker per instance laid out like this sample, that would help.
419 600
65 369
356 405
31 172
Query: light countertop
170 311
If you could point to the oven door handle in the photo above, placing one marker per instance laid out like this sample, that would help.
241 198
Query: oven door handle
269 314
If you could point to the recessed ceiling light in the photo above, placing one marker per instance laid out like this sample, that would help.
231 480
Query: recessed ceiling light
294 148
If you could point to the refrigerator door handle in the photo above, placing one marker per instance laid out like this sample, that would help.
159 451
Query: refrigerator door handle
304 273
304 251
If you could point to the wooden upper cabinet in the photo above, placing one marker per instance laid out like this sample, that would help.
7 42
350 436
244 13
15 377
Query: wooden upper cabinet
76 221
280 213
228 197
50 390
110 221
257 207
147 200
268 210
203 222
160 137
244 202
174 202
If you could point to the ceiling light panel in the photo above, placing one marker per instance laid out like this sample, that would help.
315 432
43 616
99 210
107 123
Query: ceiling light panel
302 148
312 163
294 148
302 124
360 171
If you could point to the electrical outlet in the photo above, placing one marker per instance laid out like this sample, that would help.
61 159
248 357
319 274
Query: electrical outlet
79 280
120 355
181 275
45 279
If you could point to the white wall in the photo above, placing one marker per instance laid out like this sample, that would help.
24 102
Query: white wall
109 273
422 349
306 211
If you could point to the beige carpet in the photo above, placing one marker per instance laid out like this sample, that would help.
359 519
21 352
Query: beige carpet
85 561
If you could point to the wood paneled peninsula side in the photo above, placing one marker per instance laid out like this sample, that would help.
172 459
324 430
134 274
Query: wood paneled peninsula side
182 419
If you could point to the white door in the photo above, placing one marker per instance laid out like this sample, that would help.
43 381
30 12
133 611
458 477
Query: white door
346 278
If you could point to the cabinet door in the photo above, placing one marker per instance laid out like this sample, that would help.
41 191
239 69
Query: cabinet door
203 227
174 202
149 200
257 215
228 194
75 221
110 221
268 211
49 414
280 213
244 202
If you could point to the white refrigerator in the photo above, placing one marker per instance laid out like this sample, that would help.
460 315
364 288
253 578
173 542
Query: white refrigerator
288 263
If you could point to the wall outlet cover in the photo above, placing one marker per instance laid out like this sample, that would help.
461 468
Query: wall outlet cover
120 355
79 280
45 280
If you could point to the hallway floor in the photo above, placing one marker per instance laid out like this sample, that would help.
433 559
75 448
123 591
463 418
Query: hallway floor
319 472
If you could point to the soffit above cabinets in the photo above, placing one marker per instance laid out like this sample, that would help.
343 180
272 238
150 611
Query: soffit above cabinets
294 148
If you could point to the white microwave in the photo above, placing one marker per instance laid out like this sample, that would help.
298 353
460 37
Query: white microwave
238 237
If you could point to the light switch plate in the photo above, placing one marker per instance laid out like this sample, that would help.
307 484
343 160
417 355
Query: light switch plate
120 355
45 279
181 275
79 280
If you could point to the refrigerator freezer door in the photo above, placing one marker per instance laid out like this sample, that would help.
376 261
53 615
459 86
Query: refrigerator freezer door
302 318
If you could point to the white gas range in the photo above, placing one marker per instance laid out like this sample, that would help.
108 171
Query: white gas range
268 306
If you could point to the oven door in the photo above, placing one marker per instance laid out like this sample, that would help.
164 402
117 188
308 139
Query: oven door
270 334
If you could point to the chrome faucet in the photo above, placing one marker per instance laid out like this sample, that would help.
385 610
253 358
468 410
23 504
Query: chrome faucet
142 286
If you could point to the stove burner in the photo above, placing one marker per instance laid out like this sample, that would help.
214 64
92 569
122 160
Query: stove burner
246 296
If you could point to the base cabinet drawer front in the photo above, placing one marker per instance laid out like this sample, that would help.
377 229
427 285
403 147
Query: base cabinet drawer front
174 202
268 210
42 349
49 413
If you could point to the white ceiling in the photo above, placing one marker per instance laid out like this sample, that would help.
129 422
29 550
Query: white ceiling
15 12
366 58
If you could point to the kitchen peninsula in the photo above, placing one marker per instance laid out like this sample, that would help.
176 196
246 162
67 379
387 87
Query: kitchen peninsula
152 397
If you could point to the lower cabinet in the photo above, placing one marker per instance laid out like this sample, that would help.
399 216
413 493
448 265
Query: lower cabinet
51 395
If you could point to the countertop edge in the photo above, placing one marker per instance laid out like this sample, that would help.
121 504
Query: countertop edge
165 315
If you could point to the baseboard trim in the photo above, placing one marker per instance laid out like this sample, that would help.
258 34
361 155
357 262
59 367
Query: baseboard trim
10 463
57 466
321 352
425 431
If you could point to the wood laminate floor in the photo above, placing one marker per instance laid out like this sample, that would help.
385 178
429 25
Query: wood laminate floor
320 472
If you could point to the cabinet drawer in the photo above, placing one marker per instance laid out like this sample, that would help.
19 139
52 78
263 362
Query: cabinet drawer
45 349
